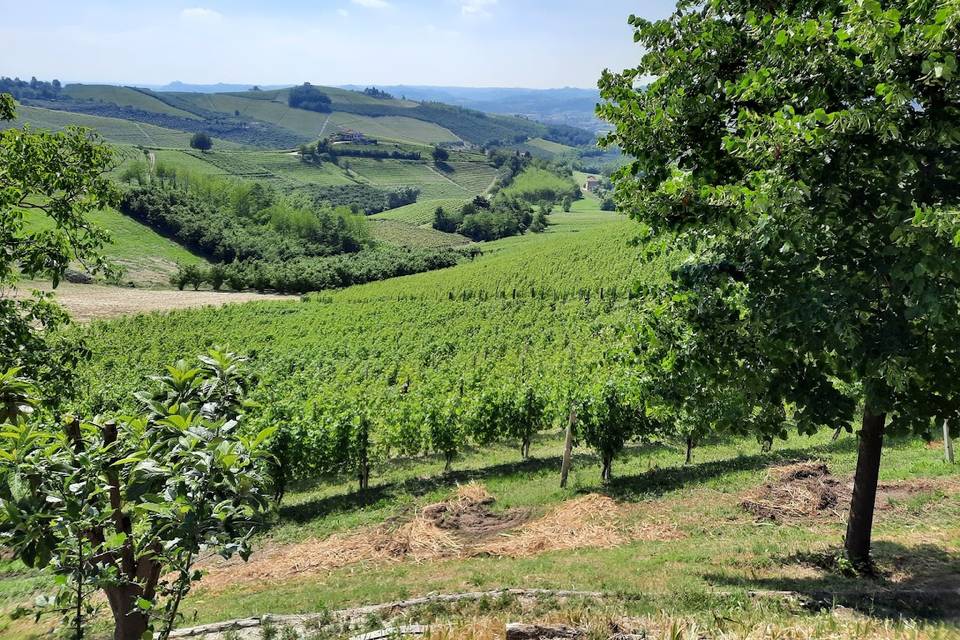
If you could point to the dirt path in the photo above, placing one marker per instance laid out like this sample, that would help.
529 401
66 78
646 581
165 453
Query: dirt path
97 302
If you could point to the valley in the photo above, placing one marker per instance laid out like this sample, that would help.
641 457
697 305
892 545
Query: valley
317 362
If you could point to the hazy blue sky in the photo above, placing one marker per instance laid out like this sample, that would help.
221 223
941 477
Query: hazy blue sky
530 43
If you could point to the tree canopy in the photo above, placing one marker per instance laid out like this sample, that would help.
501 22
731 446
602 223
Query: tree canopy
806 157
60 177
201 141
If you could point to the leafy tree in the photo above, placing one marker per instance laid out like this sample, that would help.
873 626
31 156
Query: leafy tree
308 97
608 420
439 154
807 157
61 177
125 506
201 141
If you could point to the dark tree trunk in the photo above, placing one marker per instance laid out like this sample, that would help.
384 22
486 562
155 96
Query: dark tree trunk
364 476
947 443
568 449
689 450
860 522
525 448
129 622
606 473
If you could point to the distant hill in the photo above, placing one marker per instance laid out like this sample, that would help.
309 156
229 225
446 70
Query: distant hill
219 87
570 106
265 119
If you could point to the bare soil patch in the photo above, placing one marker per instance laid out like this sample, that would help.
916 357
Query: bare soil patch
465 525
98 302
809 490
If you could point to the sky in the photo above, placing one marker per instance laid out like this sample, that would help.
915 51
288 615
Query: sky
480 43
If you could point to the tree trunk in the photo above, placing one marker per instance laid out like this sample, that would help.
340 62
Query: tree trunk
689 450
607 471
525 448
129 622
364 476
947 442
860 521
568 449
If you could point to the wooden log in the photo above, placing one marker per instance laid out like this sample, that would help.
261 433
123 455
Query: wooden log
520 631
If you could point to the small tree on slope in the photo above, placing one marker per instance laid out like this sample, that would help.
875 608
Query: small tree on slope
807 156
125 507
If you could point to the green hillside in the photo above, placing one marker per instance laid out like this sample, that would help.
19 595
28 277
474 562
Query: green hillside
125 97
420 213
536 183
400 234
145 256
115 130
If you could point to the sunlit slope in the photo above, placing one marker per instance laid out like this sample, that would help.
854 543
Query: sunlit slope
112 129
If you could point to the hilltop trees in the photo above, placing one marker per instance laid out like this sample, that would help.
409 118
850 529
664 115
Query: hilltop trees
308 97
808 157
201 141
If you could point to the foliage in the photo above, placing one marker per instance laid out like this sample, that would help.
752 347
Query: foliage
36 89
483 220
201 140
281 230
60 178
364 198
439 154
308 97
125 506
809 163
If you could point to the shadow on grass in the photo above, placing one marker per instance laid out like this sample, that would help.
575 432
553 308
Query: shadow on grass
658 481
652 483
927 585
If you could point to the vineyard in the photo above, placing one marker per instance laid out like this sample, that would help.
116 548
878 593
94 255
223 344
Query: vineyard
420 213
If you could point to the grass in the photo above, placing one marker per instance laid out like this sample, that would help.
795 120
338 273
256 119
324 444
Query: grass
389 174
125 97
401 234
112 129
145 256
534 179
580 250
724 548
421 212
315 125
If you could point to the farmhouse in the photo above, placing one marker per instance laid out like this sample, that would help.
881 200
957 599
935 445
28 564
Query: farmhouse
592 184
349 135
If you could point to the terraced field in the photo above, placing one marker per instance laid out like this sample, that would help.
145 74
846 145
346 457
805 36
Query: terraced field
400 234
315 125
402 173
112 129
125 97
420 213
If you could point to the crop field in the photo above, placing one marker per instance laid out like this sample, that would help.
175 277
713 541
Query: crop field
123 96
476 177
535 179
579 253
314 125
546 148
112 129
645 537
406 173
421 212
401 234
392 128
